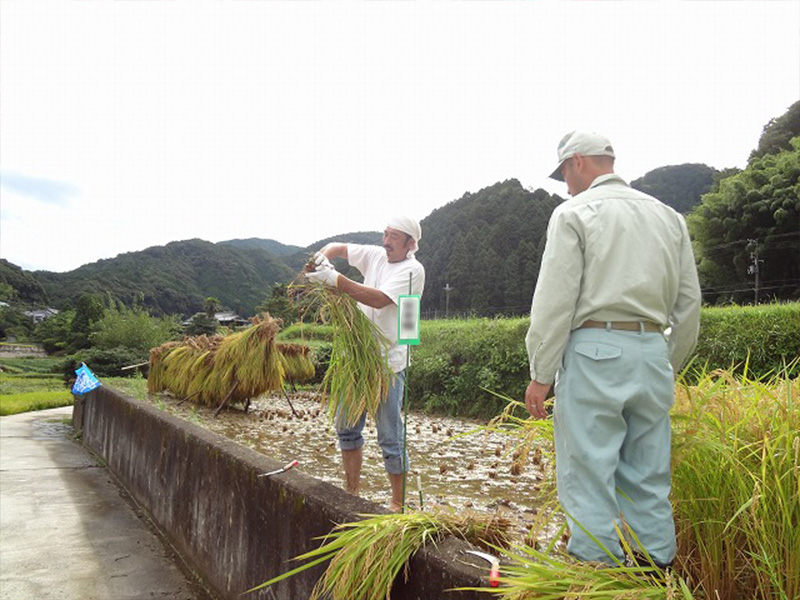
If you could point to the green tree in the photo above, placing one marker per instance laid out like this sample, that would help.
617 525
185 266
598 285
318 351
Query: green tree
279 306
202 324
7 292
753 221
14 324
778 133
88 309
54 333
211 306
133 329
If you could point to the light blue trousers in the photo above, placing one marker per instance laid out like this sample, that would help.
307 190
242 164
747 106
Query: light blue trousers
614 392
389 426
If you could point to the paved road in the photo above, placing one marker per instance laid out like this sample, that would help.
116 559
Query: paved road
67 531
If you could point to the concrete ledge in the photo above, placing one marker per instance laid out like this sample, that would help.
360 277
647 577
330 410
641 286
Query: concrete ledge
235 529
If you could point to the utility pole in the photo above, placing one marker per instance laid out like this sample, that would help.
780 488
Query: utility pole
754 268
447 290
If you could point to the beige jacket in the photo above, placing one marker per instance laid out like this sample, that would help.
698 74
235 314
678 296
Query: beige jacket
613 254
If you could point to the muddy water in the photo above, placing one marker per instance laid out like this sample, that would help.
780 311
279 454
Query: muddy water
447 465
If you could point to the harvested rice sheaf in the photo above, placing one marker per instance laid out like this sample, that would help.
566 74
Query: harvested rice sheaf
208 369
297 364
358 376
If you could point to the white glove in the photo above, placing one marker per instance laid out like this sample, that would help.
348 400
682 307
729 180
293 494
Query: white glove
321 260
324 274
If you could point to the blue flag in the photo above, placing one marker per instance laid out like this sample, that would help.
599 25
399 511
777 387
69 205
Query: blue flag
85 382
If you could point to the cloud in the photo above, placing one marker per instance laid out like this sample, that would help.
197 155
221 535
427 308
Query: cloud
43 190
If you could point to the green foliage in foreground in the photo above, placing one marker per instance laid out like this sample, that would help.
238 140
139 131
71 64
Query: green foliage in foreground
12 404
736 497
736 485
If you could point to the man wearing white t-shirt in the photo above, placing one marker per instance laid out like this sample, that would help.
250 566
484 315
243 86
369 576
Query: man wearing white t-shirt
386 272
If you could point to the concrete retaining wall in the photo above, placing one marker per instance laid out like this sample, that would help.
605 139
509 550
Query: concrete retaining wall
235 529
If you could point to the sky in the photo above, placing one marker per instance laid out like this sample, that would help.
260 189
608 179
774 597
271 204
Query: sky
134 123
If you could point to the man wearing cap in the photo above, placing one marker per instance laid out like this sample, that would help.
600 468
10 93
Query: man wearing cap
617 272
386 272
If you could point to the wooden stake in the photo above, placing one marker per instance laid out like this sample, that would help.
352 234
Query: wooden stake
227 396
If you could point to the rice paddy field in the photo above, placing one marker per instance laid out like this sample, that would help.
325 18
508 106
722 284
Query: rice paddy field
30 383
736 490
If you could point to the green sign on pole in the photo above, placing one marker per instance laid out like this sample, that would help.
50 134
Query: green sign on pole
408 320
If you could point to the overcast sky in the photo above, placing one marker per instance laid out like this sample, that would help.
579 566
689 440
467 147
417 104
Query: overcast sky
128 124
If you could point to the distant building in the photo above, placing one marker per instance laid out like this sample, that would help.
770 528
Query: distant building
228 319
40 315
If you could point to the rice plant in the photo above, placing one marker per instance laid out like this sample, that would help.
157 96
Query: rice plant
365 557
736 496
358 376
549 575
736 485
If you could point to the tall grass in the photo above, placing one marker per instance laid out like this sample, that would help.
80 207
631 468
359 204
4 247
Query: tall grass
736 485
736 495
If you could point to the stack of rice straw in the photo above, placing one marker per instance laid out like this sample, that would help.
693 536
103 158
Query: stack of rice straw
210 369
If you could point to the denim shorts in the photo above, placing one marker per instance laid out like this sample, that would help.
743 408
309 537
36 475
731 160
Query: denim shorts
389 425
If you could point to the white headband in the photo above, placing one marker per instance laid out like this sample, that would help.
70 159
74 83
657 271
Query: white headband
410 227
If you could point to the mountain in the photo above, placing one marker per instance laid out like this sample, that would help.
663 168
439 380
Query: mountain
678 186
19 285
271 246
482 252
298 259
176 278
778 133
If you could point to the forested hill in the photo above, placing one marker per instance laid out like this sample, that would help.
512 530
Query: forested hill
486 248
272 246
176 278
678 186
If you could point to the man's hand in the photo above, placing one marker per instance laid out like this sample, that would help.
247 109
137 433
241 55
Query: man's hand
535 396
324 274
320 260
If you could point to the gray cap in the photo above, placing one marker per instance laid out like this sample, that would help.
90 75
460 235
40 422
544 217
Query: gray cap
584 143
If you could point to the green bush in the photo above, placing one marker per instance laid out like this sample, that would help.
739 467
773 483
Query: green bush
104 363
457 358
132 328
303 333
767 336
